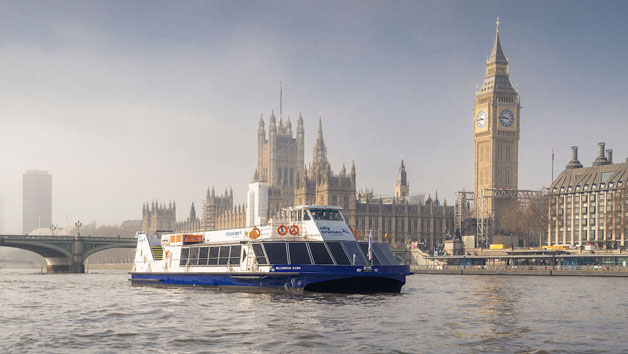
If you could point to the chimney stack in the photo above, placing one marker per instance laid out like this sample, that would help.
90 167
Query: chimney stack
609 156
601 159
574 163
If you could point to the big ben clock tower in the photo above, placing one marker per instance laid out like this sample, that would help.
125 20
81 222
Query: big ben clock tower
496 129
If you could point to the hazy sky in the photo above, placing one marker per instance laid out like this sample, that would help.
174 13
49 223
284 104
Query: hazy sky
124 102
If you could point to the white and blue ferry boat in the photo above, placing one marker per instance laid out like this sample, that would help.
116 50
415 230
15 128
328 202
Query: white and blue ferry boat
313 251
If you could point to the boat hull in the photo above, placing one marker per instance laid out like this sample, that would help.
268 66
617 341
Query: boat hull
290 278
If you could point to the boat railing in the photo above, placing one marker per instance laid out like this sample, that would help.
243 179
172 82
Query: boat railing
273 229
268 232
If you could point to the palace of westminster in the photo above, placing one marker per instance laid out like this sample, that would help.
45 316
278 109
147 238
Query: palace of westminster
280 164
405 218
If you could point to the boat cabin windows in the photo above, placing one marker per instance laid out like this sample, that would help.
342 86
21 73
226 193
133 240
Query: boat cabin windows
339 253
184 256
215 255
319 253
259 254
381 253
193 256
365 250
299 253
223 255
326 214
354 253
234 258
299 215
203 252
276 252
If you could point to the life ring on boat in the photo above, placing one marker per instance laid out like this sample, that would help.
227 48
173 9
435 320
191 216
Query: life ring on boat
255 233
282 229
294 230
356 233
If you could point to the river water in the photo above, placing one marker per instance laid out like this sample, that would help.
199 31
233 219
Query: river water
101 312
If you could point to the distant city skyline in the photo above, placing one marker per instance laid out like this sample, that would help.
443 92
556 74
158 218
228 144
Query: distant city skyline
123 105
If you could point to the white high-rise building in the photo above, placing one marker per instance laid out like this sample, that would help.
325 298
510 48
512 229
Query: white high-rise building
257 204
1 213
36 200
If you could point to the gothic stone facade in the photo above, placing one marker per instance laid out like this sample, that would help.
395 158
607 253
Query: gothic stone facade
496 131
398 220
221 213
158 217
280 159
404 222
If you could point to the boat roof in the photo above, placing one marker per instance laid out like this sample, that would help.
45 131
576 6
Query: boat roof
299 207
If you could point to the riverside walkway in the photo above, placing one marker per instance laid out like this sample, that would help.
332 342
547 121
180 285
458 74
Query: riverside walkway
601 263
65 254
589 271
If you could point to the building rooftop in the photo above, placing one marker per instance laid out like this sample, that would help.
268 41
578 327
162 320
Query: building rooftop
591 178
36 172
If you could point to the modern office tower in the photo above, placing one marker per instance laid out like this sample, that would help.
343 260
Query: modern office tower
36 200
1 213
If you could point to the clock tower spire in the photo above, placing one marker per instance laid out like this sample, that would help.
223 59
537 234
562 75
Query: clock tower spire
496 130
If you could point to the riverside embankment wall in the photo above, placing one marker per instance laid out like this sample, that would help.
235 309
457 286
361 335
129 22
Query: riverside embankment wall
586 273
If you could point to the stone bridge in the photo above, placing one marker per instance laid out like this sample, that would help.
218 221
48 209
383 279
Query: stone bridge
66 254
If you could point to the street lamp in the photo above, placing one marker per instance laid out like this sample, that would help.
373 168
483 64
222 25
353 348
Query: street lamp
78 228
52 230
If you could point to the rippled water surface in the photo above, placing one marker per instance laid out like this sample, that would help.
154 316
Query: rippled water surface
102 312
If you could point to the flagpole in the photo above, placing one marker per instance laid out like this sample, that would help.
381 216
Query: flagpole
370 252
552 181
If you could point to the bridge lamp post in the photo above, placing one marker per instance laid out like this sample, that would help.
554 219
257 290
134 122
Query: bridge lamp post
52 229
78 228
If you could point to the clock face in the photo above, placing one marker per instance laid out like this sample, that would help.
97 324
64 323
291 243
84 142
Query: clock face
481 118
506 118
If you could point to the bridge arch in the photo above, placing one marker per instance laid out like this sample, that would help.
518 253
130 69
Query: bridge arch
99 248
65 253
43 249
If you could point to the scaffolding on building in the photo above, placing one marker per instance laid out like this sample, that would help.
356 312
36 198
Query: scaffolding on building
463 210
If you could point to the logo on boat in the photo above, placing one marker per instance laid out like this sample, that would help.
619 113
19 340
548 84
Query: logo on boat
327 231
233 233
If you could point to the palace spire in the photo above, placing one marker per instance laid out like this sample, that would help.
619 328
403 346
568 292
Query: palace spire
320 151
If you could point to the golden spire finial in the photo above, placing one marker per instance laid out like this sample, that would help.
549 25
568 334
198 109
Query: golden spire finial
497 24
